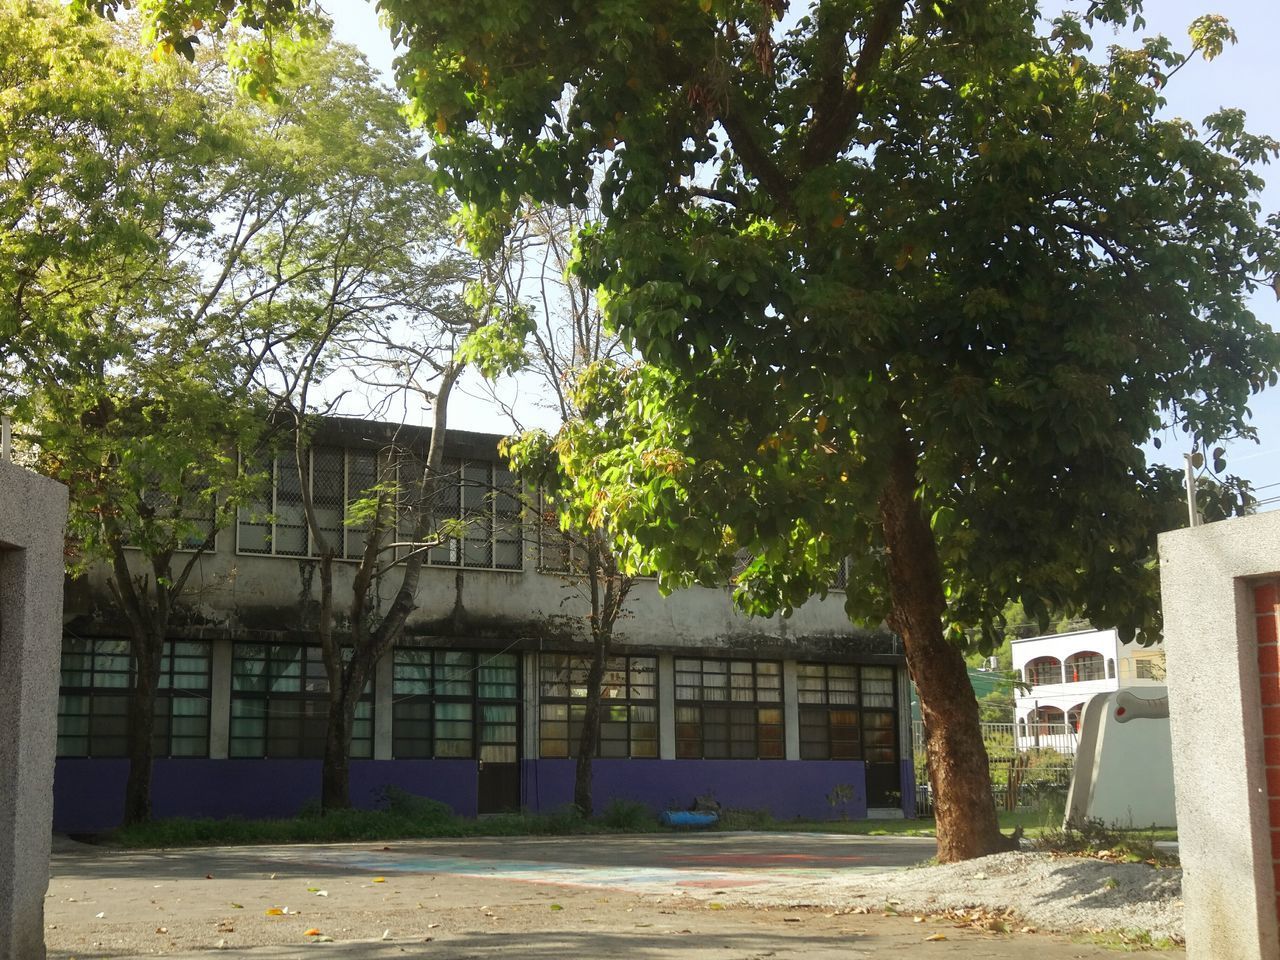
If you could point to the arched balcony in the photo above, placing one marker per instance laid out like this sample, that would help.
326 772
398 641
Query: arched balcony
1045 721
1086 665
1074 716
1043 670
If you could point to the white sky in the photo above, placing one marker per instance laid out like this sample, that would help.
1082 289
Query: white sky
1247 76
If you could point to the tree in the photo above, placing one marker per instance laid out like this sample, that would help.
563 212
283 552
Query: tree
567 338
128 389
355 282
174 245
914 283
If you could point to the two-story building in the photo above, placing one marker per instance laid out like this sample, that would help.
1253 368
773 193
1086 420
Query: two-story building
481 701
1059 674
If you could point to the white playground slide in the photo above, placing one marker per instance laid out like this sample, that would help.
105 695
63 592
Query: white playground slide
1124 762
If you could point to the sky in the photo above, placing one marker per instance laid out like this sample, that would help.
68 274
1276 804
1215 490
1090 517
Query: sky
1246 75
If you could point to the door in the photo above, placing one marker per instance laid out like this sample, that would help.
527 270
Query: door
498 788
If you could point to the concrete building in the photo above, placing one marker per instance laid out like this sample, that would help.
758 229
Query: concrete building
481 703
1063 671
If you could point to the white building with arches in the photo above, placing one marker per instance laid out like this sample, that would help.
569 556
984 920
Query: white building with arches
1061 672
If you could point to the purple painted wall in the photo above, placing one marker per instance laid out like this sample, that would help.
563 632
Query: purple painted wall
786 788
908 782
88 795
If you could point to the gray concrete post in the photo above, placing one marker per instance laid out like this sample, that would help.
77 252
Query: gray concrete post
1216 722
33 513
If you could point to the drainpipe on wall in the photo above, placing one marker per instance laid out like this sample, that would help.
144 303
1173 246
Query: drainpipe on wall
6 439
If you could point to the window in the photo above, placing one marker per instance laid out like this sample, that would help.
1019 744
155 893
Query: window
477 501
556 551
280 705
277 524
93 704
841 580
729 709
455 703
628 706
193 517
830 727
1085 666
1150 667
1044 670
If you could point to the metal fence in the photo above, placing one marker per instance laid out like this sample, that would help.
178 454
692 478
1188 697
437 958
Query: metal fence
1029 764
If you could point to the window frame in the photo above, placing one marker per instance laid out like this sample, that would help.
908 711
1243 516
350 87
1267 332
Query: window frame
310 700
727 716
487 714
167 695
636 709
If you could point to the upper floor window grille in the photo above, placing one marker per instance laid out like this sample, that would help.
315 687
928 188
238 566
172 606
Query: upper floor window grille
280 703
192 518
729 709
841 579
93 702
628 705
338 478
455 704
474 509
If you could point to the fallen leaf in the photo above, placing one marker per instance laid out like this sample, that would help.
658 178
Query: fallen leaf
274 912
935 937
162 929
100 915
322 893
378 880
208 876
715 906
386 934
237 906
313 932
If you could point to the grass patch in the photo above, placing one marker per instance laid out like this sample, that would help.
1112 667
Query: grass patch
401 816
1128 941
1093 838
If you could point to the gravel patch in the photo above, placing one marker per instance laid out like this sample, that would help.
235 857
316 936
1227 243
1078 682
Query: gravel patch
1048 892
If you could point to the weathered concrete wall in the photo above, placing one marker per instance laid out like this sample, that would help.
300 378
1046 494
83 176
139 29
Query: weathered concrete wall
238 592
33 512
1208 578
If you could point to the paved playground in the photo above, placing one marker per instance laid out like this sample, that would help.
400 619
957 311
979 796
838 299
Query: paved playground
590 897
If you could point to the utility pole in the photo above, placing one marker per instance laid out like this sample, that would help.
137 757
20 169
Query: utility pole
1192 513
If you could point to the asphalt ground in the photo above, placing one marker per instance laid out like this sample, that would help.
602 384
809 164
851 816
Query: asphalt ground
646 897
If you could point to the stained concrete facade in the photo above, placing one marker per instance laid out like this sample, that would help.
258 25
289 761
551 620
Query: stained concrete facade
33 514
254 590
1209 577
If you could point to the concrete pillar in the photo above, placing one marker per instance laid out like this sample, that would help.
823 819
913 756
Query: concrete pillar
220 699
1219 591
529 705
666 706
33 512
791 709
383 700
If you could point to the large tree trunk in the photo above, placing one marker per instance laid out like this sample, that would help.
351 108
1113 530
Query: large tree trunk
148 650
335 776
590 738
958 767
